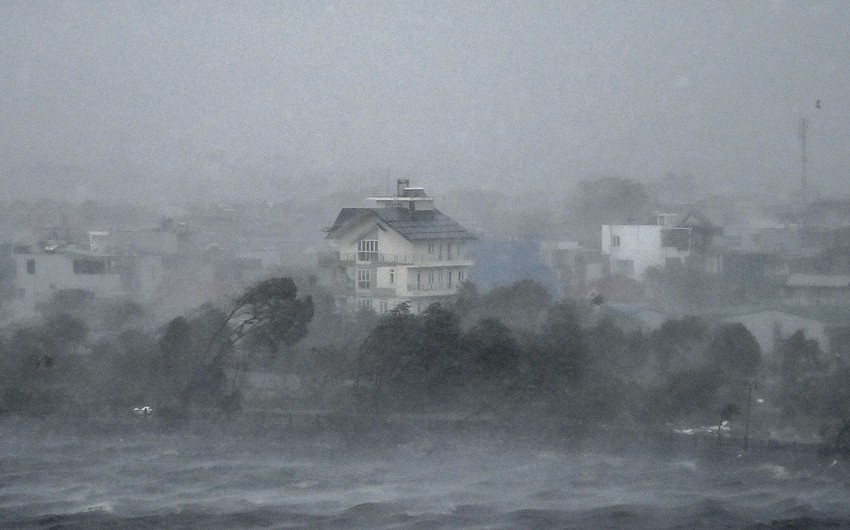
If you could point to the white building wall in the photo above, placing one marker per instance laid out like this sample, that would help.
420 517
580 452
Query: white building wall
407 260
640 244
54 272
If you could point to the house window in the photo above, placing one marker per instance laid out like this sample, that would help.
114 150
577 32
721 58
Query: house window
364 303
418 280
367 250
430 248
30 266
460 276
430 278
383 306
615 241
448 252
364 278
624 266
450 278
392 276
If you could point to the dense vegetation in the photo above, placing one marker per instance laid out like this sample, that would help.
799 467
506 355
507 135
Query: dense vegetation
511 353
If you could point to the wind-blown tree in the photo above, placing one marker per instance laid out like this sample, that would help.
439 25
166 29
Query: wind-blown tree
802 373
492 350
678 343
39 367
123 369
613 358
268 312
385 359
323 371
519 305
734 351
557 358
437 359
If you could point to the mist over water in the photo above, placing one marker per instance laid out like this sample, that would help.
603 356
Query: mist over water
221 476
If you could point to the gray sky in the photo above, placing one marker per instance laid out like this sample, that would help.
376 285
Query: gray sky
244 99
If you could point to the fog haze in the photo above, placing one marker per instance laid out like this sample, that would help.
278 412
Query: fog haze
221 101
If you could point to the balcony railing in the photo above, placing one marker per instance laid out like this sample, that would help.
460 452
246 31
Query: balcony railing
331 256
436 288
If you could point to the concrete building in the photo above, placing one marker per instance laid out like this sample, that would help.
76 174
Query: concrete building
632 249
403 250
42 272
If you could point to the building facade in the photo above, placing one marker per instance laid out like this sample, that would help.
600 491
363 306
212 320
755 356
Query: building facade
42 273
402 250
632 249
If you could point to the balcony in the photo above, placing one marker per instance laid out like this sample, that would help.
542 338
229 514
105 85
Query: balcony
432 289
331 257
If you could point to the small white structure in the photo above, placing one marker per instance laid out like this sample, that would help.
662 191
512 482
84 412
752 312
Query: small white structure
404 250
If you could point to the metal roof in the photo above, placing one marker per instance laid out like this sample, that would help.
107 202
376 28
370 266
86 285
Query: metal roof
419 225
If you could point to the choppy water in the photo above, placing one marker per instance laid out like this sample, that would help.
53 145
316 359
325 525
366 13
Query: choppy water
144 478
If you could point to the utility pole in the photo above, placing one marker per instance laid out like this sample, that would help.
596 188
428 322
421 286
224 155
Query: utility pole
751 384
804 179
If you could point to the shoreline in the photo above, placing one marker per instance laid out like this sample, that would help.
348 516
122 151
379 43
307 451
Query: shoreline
381 431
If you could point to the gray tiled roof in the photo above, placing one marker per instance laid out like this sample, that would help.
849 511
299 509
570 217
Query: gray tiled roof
420 225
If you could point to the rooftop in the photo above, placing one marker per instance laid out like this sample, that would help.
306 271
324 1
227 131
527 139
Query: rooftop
417 225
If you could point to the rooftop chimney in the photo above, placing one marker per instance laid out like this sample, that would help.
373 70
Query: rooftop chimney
400 185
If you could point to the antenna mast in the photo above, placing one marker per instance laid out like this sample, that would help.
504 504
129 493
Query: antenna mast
804 182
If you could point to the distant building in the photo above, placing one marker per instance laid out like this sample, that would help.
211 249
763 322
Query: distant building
44 271
769 325
817 289
575 267
501 263
403 250
631 249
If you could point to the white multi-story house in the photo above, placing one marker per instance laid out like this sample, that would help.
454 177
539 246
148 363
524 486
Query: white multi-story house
41 273
402 250
632 249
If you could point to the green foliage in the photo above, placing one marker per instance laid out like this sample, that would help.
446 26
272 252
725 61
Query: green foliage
566 342
39 369
323 371
678 343
467 299
385 357
804 378
519 305
492 350
687 393
268 313
734 351
125 370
